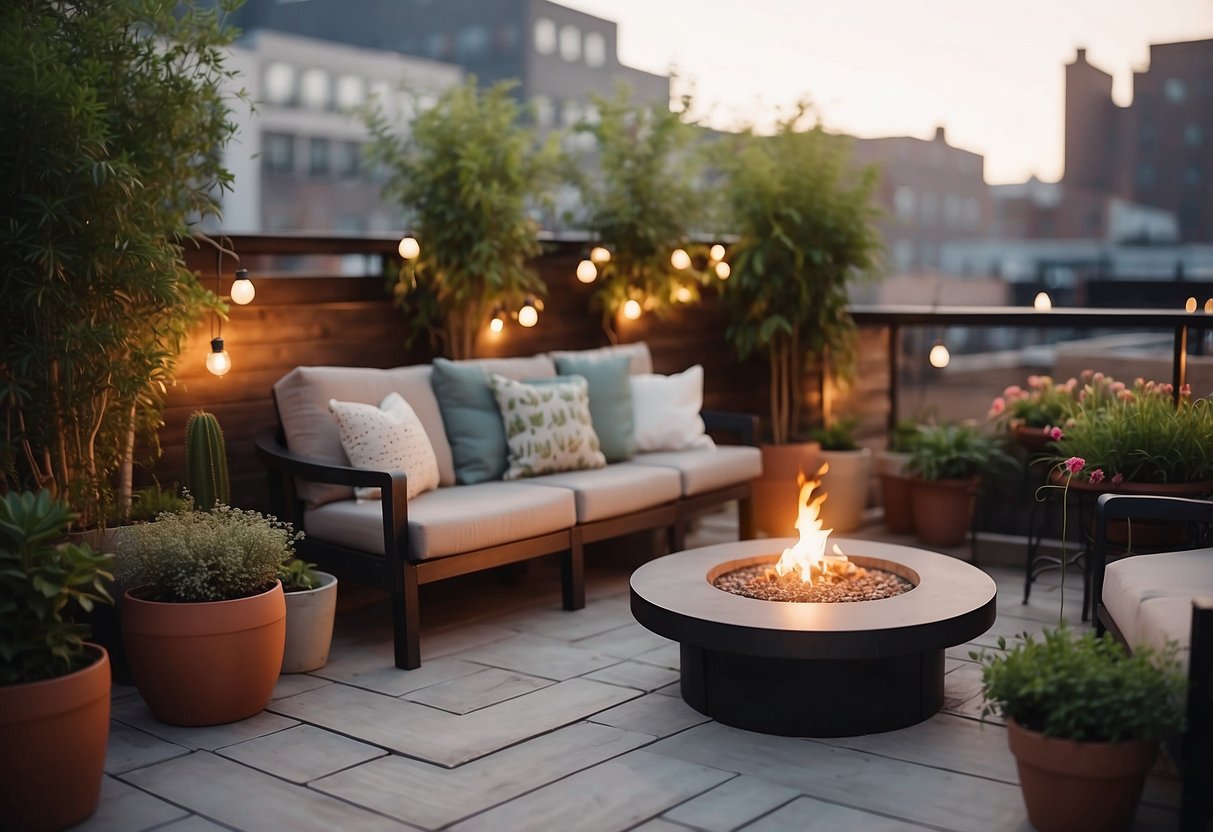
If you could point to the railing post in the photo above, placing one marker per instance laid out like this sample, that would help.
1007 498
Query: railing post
1179 364
894 359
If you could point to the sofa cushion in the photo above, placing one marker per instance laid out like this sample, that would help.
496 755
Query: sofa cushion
470 414
667 409
547 426
638 354
1167 619
707 470
610 399
616 490
303 397
1131 582
389 437
449 521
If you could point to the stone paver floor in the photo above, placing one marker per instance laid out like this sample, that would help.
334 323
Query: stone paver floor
525 717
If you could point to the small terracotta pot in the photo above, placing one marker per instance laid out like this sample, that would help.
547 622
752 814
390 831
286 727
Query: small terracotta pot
205 663
776 491
943 510
895 491
309 625
53 735
1068 785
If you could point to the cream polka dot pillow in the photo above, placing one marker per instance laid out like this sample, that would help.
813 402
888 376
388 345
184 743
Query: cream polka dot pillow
547 426
387 438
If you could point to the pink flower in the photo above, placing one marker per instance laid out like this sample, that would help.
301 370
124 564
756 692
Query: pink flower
1097 476
1082 395
1098 377
1117 387
1086 374
1117 479
1125 395
1055 434
1167 388
1071 384
1074 464
998 406
1185 390
1013 391
1035 381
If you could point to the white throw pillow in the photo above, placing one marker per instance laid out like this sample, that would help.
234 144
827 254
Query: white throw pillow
547 426
667 409
387 438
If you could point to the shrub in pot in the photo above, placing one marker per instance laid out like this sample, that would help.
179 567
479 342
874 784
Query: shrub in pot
54 687
948 462
846 479
205 621
311 607
1084 719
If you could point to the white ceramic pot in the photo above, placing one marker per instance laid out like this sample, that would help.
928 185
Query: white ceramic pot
309 626
847 482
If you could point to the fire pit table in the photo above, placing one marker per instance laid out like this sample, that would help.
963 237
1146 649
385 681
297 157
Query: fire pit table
813 669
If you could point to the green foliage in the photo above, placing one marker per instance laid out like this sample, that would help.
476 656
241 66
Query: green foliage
956 452
1043 404
805 219
151 501
464 170
113 118
1083 688
839 435
41 579
905 436
212 555
298 575
206 461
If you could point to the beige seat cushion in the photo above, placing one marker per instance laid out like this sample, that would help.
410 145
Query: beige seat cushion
1167 619
1129 583
615 490
450 520
707 470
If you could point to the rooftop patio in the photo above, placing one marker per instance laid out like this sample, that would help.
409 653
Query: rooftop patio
525 717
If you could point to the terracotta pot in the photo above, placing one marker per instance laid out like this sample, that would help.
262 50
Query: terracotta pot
776 491
1068 785
895 491
205 663
1152 534
1033 440
847 482
53 735
943 510
309 625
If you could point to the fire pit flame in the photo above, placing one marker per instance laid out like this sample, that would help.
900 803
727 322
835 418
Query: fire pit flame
809 556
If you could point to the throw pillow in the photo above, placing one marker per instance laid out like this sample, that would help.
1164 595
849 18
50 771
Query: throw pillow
547 426
667 411
387 438
610 399
472 420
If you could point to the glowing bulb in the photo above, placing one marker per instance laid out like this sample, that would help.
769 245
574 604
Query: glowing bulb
242 289
409 248
497 324
600 255
939 357
587 271
679 259
217 360
1209 305
1043 303
1190 306
682 294
716 252
631 310
528 315
723 271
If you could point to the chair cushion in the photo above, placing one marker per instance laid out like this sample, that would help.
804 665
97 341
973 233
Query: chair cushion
449 521
616 490
547 426
1167 619
666 410
610 399
638 354
707 470
386 438
1131 582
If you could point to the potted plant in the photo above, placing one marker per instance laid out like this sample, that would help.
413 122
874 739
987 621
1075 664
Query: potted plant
947 463
846 478
311 608
1083 720
54 686
806 230
205 621
892 466
1029 413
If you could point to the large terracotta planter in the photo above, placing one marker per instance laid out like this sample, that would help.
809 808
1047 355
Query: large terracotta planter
895 486
776 491
309 625
205 663
848 483
943 510
1151 534
53 735
1067 785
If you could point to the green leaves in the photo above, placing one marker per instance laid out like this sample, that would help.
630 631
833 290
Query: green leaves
954 452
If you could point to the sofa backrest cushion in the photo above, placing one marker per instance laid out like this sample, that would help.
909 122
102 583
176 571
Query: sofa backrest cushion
638 353
547 426
311 431
389 437
610 399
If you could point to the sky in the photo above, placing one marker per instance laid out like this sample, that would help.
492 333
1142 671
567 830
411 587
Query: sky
990 71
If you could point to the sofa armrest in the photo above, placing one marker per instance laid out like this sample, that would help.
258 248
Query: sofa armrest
744 425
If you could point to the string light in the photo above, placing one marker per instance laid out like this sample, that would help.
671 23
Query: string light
217 360
1190 306
632 310
497 323
599 254
716 252
723 271
939 357
679 259
683 295
587 272
1042 303
242 289
528 315
409 248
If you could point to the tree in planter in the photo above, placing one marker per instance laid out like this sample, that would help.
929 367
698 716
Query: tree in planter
113 116
641 202
465 171
804 216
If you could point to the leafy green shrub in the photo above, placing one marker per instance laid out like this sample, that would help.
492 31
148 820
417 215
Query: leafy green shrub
1083 687
298 575
956 452
152 501
213 555
839 435
41 578
904 437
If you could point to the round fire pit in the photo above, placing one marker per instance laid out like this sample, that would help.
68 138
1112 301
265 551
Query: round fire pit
811 669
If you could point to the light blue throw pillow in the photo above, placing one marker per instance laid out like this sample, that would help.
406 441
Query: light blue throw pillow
610 400
472 421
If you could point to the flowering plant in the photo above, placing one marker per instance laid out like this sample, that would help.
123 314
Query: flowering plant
1042 404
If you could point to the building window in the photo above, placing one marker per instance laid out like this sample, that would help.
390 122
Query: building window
972 213
545 36
438 46
595 49
928 212
314 89
505 39
279 83
1194 135
904 203
351 92
570 43
570 113
473 43
278 152
348 159
1175 90
318 157
1192 177
903 255
951 211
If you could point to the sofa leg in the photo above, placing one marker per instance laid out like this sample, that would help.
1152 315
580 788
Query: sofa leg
1196 807
745 519
406 619
677 535
572 574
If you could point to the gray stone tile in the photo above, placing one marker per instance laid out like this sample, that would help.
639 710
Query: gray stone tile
962 686
624 642
660 825
456 639
477 690
539 656
194 823
209 737
840 775
638 675
376 670
122 691
672 689
124 808
598 617
732 804
668 655
438 737
432 797
302 753
238 796
652 714
131 748
615 795
291 683
807 813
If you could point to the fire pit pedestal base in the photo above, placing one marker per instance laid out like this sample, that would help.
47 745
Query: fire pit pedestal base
813 669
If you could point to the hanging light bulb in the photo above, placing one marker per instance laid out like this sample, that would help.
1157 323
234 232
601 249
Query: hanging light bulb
723 271
716 252
631 310
409 248
1209 305
217 360
939 357
242 289
528 315
1190 306
679 259
497 323
599 254
682 294
587 271
1042 303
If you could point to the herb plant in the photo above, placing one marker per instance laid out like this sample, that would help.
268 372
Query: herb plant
955 452
839 435
298 575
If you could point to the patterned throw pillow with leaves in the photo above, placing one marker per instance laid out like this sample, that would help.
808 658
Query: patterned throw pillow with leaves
547 426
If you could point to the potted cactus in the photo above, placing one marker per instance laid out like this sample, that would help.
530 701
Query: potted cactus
311 608
206 461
